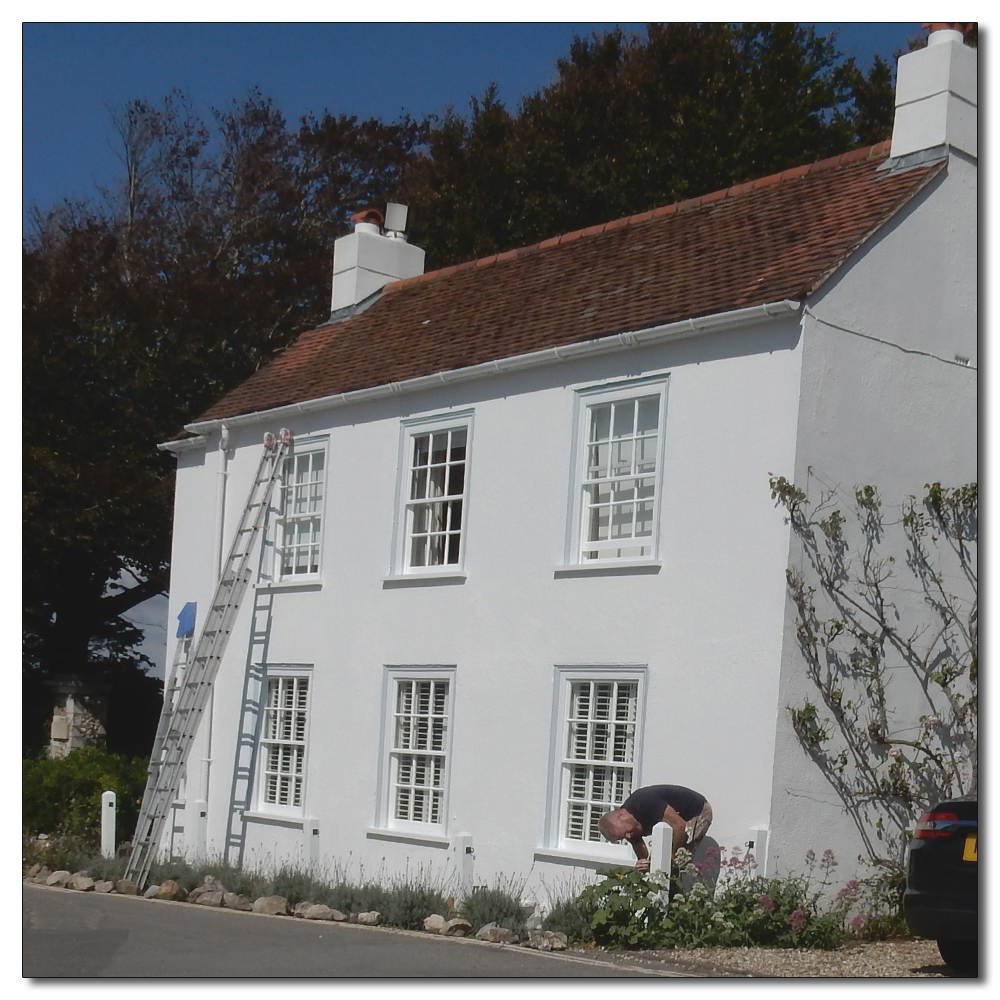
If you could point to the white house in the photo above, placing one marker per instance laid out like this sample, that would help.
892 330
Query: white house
525 556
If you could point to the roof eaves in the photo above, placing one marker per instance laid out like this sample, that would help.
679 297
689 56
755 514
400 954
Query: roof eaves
731 319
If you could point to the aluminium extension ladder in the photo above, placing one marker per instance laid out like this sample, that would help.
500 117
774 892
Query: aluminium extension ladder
183 709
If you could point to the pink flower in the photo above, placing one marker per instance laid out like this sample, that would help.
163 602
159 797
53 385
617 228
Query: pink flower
797 920
766 903
810 855
895 752
858 922
932 722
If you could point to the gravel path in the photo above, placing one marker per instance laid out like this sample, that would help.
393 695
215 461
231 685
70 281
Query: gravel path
863 959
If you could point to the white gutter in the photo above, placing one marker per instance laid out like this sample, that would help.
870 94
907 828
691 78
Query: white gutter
184 444
603 345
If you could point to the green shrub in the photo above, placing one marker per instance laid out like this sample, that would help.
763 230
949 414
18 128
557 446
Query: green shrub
572 917
63 852
406 906
500 904
877 905
62 795
635 910
627 908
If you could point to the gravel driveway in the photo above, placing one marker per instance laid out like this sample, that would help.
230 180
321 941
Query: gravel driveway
864 959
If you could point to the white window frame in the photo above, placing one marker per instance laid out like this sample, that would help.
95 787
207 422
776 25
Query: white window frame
561 762
390 754
584 400
283 673
410 429
304 448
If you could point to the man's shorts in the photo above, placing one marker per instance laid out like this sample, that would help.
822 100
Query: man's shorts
698 826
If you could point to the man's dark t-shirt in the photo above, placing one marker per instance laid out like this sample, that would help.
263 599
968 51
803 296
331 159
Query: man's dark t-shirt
647 804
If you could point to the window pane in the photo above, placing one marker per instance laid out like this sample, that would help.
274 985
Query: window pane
438 473
624 419
648 416
439 449
600 422
421 450
418 484
456 480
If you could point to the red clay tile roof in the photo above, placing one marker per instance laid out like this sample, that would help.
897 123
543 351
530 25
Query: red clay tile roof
776 238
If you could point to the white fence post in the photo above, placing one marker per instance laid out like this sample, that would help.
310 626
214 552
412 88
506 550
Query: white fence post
109 803
310 828
660 849
464 861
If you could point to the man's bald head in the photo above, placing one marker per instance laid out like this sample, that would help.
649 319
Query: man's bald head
619 824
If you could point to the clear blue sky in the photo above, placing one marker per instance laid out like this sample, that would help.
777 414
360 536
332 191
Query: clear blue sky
75 74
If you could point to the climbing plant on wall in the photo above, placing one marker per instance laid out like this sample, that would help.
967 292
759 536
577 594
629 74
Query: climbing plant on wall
886 602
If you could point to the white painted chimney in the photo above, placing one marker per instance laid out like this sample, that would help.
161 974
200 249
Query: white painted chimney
937 95
367 259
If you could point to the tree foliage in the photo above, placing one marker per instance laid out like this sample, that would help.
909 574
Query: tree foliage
141 310
887 623
149 302
631 123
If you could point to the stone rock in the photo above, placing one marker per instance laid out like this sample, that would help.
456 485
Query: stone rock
434 923
82 883
456 927
42 875
171 890
546 940
273 905
315 911
496 934
104 886
126 887
236 901
34 870
151 891
300 908
58 878
208 884
337 915
214 897
371 918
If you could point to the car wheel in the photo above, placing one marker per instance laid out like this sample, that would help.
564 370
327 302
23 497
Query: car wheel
962 956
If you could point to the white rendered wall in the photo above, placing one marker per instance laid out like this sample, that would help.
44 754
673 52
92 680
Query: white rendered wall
897 413
708 624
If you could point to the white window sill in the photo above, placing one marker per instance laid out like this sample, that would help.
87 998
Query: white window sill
396 579
308 583
275 817
406 836
583 857
610 567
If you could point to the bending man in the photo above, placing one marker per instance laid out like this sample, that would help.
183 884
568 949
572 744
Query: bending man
686 812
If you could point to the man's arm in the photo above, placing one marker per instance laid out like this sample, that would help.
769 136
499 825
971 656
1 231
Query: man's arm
679 826
639 846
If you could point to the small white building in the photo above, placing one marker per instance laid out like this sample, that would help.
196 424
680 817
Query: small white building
525 557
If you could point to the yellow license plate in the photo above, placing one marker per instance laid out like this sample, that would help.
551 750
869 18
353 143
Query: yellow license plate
970 852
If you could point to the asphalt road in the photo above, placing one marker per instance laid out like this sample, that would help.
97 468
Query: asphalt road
69 934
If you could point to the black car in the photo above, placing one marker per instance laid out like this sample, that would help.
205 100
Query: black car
942 882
